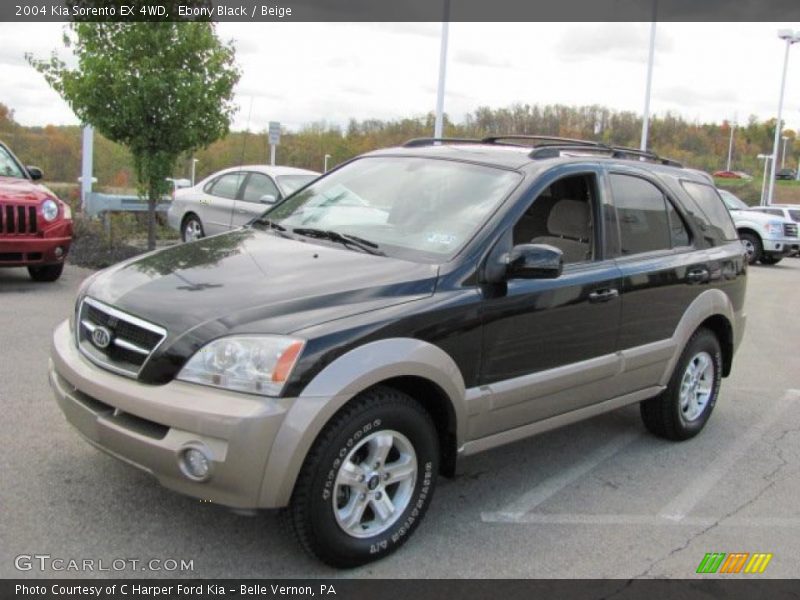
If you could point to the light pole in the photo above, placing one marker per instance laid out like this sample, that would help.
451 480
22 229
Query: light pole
650 60
730 146
194 164
785 139
439 122
325 166
790 37
765 158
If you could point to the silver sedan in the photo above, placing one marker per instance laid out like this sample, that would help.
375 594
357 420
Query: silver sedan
230 198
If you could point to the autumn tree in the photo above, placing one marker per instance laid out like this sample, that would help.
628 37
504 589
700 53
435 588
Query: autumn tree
161 89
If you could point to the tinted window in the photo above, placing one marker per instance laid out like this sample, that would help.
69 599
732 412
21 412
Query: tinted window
642 214
8 166
679 234
714 219
227 186
257 187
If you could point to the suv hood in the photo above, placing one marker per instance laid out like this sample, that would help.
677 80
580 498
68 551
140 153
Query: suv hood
256 281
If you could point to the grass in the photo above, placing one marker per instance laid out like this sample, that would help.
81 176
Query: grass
786 192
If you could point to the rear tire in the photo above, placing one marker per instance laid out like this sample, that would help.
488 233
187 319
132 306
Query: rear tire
681 411
367 481
46 273
769 259
192 229
752 247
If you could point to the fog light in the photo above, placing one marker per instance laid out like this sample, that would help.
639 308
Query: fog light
59 252
195 464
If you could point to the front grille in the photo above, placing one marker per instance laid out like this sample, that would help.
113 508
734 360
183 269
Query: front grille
116 340
790 230
17 220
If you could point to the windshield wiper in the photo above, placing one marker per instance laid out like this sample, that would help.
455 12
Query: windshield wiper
342 238
269 223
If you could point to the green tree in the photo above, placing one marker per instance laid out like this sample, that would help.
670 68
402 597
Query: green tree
160 89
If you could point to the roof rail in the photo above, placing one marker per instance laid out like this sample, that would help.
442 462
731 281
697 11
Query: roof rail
417 142
548 139
549 146
627 152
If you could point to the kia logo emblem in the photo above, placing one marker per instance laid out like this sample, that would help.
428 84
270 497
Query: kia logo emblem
101 337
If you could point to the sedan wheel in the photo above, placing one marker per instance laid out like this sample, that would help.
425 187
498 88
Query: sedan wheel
192 229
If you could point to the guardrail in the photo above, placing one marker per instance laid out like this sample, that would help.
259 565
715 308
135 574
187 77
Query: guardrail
97 204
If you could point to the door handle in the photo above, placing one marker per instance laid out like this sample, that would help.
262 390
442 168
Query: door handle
697 276
603 295
242 211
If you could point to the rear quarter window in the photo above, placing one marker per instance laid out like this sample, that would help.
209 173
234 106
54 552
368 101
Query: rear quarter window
710 212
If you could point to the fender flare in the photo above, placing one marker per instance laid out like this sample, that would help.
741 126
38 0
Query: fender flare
710 303
337 384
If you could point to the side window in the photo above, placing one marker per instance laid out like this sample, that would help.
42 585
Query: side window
227 186
711 213
562 216
644 225
679 234
259 185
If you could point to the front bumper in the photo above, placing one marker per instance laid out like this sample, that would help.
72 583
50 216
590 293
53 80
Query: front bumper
23 251
781 246
148 426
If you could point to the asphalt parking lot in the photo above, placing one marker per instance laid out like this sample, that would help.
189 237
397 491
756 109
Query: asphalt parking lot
597 499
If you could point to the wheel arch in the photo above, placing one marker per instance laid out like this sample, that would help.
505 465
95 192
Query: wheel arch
415 367
714 310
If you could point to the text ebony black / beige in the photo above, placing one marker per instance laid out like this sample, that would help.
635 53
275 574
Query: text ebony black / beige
413 306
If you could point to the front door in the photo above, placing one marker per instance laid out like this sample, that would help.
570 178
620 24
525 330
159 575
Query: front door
548 342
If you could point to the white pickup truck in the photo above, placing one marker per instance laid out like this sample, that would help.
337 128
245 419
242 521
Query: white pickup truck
766 238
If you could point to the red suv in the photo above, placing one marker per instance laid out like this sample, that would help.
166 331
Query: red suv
35 226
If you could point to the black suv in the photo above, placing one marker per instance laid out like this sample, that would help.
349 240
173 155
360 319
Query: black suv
412 307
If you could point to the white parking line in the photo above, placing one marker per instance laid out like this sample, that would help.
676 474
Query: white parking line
653 520
683 503
549 487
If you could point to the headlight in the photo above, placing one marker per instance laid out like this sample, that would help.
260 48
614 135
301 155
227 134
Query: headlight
49 210
254 364
774 228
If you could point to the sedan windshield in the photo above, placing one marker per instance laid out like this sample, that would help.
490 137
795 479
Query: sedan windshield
290 183
421 209
8 166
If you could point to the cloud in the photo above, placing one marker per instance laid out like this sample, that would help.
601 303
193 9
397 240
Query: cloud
474 58
688 96
617 41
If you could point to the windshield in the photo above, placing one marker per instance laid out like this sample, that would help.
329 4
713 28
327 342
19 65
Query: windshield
8 166
731 201
290 183
416 208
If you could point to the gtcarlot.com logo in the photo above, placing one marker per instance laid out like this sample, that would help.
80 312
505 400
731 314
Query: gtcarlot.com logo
736 562
46 562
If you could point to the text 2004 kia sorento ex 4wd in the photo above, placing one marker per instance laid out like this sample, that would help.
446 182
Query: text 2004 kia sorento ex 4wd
412 307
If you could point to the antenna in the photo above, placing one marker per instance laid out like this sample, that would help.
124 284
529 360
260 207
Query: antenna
241 160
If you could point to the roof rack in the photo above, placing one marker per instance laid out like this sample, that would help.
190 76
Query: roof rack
548 146
549 140
424 141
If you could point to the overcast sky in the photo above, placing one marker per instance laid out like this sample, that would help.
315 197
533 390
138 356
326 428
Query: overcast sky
298 73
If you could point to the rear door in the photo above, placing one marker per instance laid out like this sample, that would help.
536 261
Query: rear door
258 194
219 198
662 269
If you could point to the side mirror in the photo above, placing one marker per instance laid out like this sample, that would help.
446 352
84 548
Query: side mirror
268 199
35 173
534 261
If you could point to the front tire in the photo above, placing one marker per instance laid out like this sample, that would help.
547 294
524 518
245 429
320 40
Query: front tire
752 247
681 411
770 259
192 229
46 273
367 481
